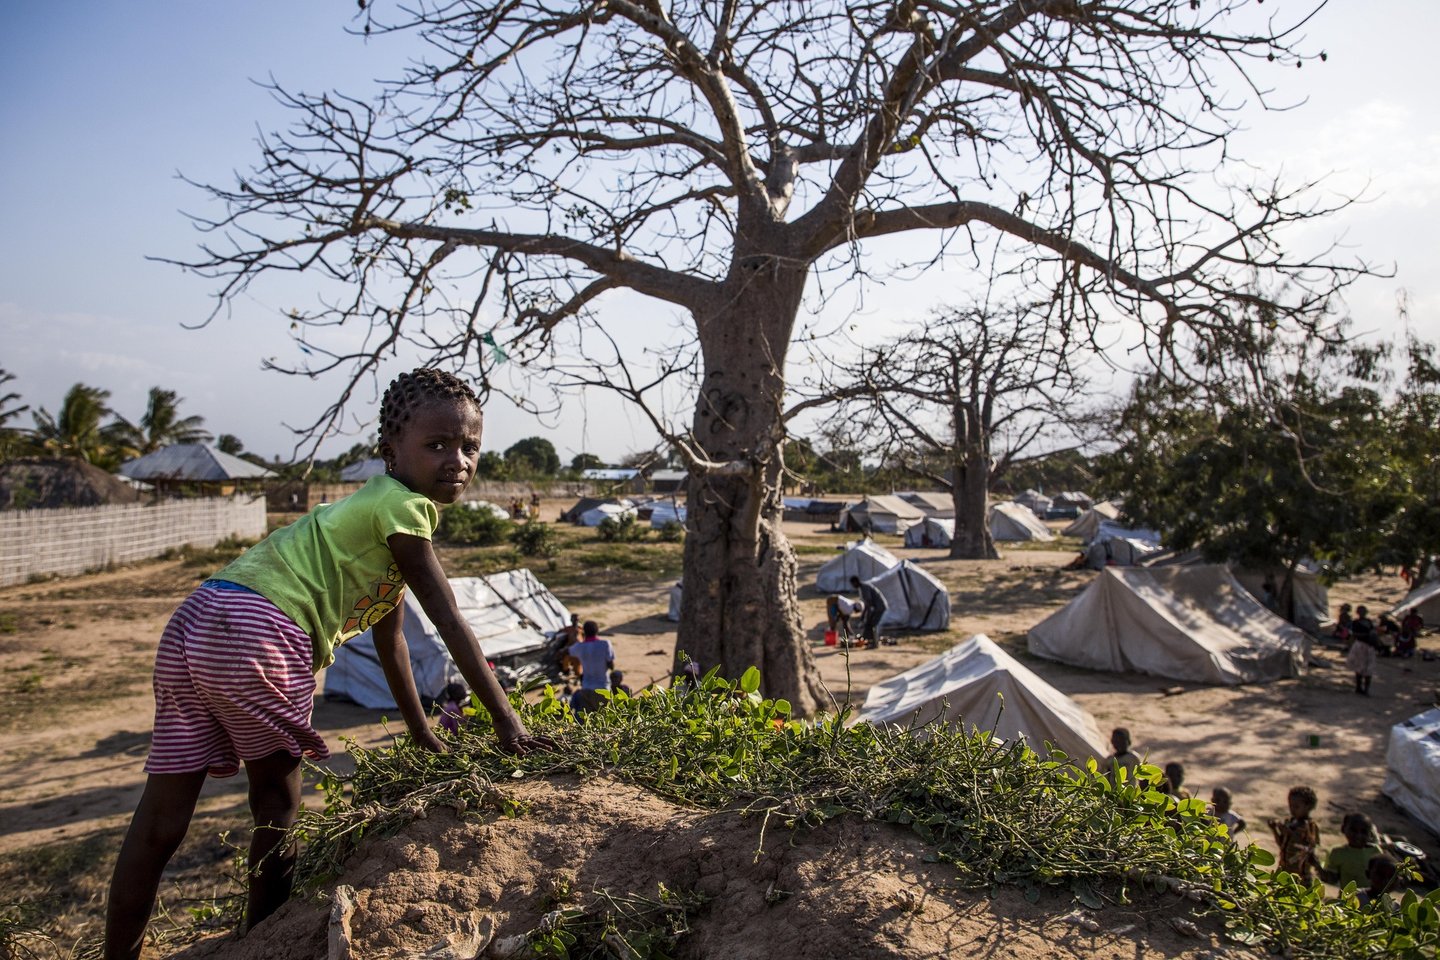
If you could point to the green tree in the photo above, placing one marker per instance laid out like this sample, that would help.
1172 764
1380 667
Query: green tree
491 466
1415 537
585 461
229 443
78 430
534 455
723 158
1263 481
13 442
160 425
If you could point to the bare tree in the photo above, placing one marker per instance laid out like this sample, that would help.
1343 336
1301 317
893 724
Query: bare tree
959 399
729 156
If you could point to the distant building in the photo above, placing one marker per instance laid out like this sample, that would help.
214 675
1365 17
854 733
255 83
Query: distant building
195 468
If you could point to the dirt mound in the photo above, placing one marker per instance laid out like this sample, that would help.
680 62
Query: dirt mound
847 889
44 482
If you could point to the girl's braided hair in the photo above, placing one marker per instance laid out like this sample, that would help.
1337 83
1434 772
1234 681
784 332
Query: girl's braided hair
410 391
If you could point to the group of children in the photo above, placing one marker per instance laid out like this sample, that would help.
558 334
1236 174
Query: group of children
1366 640
1360 861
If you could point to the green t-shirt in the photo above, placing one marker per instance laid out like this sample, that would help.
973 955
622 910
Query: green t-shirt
1350 863
331 571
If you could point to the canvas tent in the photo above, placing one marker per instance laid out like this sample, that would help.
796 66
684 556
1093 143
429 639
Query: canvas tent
606 511
1088 523
666 511
914 599
1034 501
863 559
1425 599
1011 521
931 532
515 618
882 514
934 503
1193 623
1306 603
1117 546
965 684
585 504
1412 768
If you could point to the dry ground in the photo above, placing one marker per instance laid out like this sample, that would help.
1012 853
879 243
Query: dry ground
75 657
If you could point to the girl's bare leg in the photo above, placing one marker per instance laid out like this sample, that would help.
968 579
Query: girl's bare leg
274 802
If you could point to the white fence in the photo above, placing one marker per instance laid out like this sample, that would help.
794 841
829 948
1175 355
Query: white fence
72 540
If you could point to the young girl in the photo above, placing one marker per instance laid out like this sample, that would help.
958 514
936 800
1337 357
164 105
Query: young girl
235 669
1299 837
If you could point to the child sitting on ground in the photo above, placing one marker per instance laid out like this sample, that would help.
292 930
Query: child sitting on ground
1382 872
1298 837
1349 863
235 668
1220 801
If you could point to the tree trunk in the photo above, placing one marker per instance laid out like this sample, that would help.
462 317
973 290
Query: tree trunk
971 490
739 607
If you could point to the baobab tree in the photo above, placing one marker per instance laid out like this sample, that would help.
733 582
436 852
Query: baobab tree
959 398
729 157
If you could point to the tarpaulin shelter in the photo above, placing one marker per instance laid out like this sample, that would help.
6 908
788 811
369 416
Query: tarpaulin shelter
1412 768
1192 623
517 621
965 685
914 599
863 559
881 514
931 532
1012 521
935 503
1088 523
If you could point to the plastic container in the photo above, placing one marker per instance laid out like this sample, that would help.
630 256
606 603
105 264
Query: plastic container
831 638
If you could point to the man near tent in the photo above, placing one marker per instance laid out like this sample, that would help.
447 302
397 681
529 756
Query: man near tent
838 611
874 602
597 659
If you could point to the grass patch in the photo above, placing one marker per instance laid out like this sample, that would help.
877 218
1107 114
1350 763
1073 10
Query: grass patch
996 814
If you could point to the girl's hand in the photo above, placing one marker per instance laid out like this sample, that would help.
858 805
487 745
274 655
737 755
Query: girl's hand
514 738
426 739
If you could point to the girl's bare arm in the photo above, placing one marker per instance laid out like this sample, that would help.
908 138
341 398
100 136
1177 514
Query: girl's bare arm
394 654
421 569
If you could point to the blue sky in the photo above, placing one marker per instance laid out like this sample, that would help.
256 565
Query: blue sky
105 102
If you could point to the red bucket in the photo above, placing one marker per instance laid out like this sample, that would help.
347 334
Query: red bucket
831 638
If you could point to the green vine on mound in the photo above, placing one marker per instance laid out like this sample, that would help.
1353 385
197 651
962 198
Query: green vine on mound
996 813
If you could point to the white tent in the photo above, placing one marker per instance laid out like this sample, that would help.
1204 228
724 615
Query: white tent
931 532
966 684
1186 622
1088 523
1307 603
515 618
1412 768
1034 501
1425 599
676 592
607 511
1011 521
1117 546
666 511
935 503
863 559
914 599
494 509
886 514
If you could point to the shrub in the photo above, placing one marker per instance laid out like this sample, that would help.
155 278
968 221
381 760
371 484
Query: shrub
536 539
472 525
622 529
673 532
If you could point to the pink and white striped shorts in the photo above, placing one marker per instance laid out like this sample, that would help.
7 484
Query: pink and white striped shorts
232 682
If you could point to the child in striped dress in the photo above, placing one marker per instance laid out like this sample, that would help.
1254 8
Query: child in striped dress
235 669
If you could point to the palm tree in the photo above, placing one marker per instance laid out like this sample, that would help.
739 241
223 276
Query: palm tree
12 441
77 432
161 425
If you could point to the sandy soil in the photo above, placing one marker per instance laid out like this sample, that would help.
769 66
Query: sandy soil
76 659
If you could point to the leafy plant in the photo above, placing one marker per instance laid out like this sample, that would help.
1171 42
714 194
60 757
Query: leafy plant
473 525
672 532
621 529
536 539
